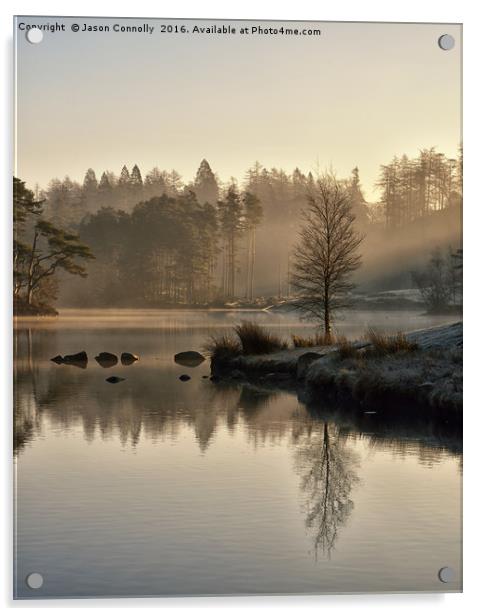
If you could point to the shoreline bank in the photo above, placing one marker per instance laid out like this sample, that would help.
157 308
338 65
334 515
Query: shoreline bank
426 382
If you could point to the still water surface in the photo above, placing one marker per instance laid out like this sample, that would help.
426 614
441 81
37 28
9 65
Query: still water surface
155 486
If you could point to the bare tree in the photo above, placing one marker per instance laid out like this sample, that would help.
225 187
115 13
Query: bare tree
326 254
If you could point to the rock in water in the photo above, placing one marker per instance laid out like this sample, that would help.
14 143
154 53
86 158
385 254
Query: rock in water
184 377
106 360
129 358
77 359
58 359
114 379
189 358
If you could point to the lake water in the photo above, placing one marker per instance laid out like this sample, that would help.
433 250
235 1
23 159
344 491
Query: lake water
154 486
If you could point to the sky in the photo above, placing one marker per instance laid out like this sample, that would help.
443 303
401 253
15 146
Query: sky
354 96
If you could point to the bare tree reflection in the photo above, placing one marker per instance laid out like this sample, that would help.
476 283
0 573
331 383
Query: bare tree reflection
327 468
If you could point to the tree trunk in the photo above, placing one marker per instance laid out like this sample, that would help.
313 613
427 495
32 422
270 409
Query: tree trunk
31 269
327 317
253 257
248 266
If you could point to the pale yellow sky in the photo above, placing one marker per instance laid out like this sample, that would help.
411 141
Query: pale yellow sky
356 95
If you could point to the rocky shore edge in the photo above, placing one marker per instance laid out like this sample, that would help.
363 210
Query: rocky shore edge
426 381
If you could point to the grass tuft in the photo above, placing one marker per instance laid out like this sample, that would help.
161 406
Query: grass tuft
310 341
256 340
250 339
383 344
222 346
346 348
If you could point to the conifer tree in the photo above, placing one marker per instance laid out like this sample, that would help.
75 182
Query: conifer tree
90 181
205 184
136 177
230 214
104 184
124 178
357 200
253 214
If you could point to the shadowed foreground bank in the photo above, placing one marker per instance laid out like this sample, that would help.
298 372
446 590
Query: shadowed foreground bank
424 379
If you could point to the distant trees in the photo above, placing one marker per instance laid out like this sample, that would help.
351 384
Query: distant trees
166 251
205 184
231 226
90 181
125 177
359 206
242 222
412 188
253 215
163 253
136 177
64 202
440 282
155 183
326 254
41 249
67 202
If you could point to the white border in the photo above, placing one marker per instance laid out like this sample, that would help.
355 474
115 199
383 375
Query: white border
465 11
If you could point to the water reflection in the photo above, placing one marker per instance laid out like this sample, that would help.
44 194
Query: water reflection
152 404
240 488
327 468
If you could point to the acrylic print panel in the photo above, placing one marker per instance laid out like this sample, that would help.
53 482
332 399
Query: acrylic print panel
237 293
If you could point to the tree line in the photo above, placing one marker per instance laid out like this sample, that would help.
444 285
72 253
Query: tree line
67 202
159 241
411 188
171 250
440 282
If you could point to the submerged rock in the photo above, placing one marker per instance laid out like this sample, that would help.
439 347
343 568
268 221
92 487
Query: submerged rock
58 359
184 377
77 359
189 358
106 360
114 379
129 358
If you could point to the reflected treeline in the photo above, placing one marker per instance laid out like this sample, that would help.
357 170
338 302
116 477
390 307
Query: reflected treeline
154 403
327 466
151 401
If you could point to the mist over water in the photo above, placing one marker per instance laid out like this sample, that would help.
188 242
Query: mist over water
154 486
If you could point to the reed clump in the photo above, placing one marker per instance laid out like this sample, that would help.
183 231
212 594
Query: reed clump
383 344
248 339
256 340
222 346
